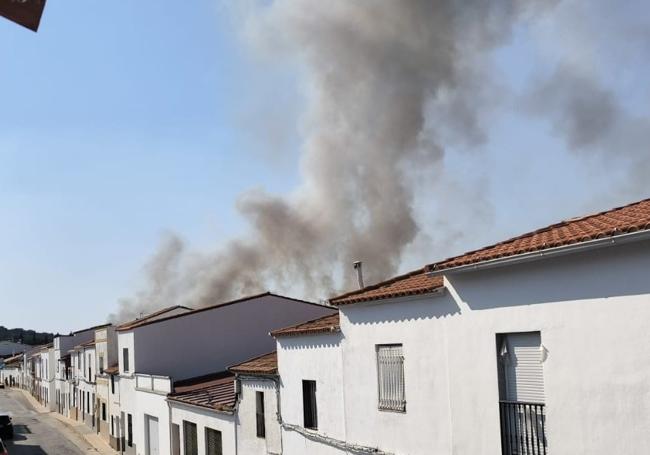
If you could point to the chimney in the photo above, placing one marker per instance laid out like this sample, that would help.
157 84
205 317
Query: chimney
358 267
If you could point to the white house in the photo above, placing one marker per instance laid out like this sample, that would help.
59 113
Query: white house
231 411
106 356
12 373
41 374
84 377
63 376
156 354
536 345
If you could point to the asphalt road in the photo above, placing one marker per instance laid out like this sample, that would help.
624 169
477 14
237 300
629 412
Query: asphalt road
38 434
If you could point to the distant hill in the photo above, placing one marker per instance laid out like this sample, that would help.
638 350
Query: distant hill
25 336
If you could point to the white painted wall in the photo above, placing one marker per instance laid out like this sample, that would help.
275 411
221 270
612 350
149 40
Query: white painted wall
203 419
314 357
224 335
152 403
592 310
248 441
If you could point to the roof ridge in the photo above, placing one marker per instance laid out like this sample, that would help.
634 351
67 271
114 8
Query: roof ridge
253 359
379 284
559 224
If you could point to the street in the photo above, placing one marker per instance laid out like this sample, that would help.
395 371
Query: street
35 433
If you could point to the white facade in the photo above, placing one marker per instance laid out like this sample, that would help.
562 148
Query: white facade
590 309
317 358
194 344
248 442
205 419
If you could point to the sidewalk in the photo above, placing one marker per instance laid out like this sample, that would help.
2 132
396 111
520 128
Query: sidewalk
79 428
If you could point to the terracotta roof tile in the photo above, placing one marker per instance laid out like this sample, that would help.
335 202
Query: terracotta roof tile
113 369
325 324
621 220
610 223
214 391
413 283
264 364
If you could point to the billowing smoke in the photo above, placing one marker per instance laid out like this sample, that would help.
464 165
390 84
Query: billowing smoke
387 82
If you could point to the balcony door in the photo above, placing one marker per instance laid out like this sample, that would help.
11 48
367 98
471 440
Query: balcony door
520 358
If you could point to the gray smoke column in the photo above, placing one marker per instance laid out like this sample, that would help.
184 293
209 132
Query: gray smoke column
384 79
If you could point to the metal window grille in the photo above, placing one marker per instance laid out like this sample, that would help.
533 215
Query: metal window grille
523 428
190 440
390 377
310 412
213 445
259 414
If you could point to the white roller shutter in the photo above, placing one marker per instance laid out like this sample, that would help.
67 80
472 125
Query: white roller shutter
524 373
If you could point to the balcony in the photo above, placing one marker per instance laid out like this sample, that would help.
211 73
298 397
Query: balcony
522 428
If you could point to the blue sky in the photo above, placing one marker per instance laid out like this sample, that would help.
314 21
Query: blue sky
121 123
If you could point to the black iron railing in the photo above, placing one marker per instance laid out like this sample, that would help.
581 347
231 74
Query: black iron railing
522 428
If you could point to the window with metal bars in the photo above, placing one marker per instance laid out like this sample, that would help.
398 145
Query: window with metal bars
310 411
190 438
390 377
259 414
213 445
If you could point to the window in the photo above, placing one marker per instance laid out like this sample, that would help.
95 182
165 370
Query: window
129 429
190 440
176 439
125 359
78 360
104 412
390 377
113 384
101 364
213 442
259 414
112 426
310 412
89 369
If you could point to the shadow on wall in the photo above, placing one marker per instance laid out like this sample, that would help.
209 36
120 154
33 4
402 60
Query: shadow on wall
326 340
603 273
430 307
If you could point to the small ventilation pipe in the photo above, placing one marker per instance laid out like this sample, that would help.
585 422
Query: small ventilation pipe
358 266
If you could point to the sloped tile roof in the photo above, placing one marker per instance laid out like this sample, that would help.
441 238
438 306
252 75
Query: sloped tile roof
325 324
610 223
264 364
413 283
214 391
620 220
